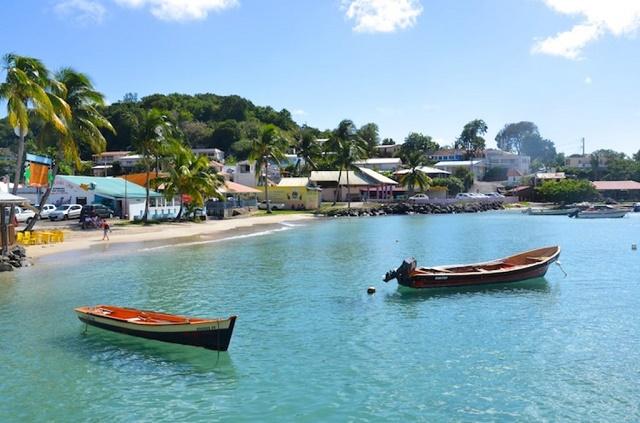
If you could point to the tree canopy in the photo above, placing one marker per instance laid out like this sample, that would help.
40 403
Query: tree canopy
471 139
524 138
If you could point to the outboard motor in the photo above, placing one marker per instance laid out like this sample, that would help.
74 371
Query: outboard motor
574 213
403 272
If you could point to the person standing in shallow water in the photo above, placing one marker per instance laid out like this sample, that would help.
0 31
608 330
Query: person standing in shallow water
105 230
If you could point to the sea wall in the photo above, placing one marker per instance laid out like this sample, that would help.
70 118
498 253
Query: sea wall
405 208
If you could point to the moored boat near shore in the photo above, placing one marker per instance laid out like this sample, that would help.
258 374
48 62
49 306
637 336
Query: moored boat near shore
551 211
212 334
599 212
519 267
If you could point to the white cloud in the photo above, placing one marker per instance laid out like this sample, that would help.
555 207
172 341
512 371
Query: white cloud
181 10
617 17
382 15
299 112
588 80
81 11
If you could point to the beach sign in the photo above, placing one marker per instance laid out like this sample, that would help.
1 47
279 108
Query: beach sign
37 171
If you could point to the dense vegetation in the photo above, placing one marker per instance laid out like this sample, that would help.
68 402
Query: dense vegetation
567 191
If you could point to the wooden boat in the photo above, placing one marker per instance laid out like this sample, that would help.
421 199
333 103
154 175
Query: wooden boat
551 211
599 212
212 334
527 265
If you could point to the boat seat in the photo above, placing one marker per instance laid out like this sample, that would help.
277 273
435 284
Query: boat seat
537 258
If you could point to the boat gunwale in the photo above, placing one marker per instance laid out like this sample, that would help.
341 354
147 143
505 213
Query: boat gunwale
417 273
187 322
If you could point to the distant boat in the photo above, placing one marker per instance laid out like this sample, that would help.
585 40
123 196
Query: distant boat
599 212
527 265
636 207
551 211
212 334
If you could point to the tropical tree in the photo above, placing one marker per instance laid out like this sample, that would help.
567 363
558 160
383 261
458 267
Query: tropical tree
151 129
268 146
471 139
370 134
189 175
346 147
416 141
26 90
413 161
308 150
83 126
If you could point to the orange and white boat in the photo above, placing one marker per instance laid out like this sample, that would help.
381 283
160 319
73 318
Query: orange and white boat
213 334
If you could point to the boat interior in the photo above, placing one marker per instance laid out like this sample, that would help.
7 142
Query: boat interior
139 316
527 258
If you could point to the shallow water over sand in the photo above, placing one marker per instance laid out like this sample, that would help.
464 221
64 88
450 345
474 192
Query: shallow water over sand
311 345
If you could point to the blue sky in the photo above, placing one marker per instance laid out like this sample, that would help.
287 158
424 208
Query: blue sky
570 66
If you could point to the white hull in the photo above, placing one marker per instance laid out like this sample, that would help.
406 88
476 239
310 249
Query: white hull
601 215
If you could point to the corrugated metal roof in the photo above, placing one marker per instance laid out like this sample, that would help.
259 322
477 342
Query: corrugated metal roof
110 187
332 176
6 198
425 169
377 177
458 163
236 188
616 185
380 161
293 182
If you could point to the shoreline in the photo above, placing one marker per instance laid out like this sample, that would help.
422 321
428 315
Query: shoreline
161 236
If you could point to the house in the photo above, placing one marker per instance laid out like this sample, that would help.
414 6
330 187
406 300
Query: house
448 155
295 193
583 161
381 163
541 177
363 184
618 190
477 167
514 176
245 173
125 198
213 154
235 197
505 160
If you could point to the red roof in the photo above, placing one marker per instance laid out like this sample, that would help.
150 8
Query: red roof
616 185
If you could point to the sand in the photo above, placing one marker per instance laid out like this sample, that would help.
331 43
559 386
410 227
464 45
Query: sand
166 233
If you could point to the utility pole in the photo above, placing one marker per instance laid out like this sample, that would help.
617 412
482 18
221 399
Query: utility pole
583 147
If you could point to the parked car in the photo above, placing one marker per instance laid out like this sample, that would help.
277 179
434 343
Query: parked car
419 198
636 207
99 210
464 196
66 211
46 210
494 195
24 215
262 205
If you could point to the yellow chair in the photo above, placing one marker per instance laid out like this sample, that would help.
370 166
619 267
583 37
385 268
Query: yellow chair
26 238
57 236
19 237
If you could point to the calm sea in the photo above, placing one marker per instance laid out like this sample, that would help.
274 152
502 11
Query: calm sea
311 345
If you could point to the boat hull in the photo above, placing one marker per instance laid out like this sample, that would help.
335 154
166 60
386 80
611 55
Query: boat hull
450 281
212 335
551 212
601 215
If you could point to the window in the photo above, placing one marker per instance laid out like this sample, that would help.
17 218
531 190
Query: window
245 168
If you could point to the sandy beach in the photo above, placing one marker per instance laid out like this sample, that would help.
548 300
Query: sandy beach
166 233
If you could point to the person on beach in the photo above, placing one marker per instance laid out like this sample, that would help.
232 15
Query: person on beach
105 230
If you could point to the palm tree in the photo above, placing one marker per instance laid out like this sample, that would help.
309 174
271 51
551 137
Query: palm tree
268 146
25 90
83 125
413 161
347 147
152 128
308 150
190 175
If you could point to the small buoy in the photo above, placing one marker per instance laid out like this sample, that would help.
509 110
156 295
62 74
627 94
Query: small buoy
371 290
634 247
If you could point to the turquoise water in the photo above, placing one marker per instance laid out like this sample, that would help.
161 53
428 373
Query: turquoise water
311 345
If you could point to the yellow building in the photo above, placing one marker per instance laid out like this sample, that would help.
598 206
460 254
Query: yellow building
294 193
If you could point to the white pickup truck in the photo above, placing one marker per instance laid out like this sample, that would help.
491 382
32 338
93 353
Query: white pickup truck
262 205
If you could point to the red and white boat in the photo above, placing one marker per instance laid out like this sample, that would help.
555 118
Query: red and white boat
519 267
212 334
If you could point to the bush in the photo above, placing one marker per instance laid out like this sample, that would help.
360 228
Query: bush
466 176
567 191
452 184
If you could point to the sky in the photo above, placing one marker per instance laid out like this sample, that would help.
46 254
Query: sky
429 66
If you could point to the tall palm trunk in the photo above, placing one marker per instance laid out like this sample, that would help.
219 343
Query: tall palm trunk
348 192
266 186
18 174
45 197
338 190
181 207
145 218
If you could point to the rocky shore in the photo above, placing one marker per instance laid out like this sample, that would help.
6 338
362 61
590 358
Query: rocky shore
17 257
405 208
